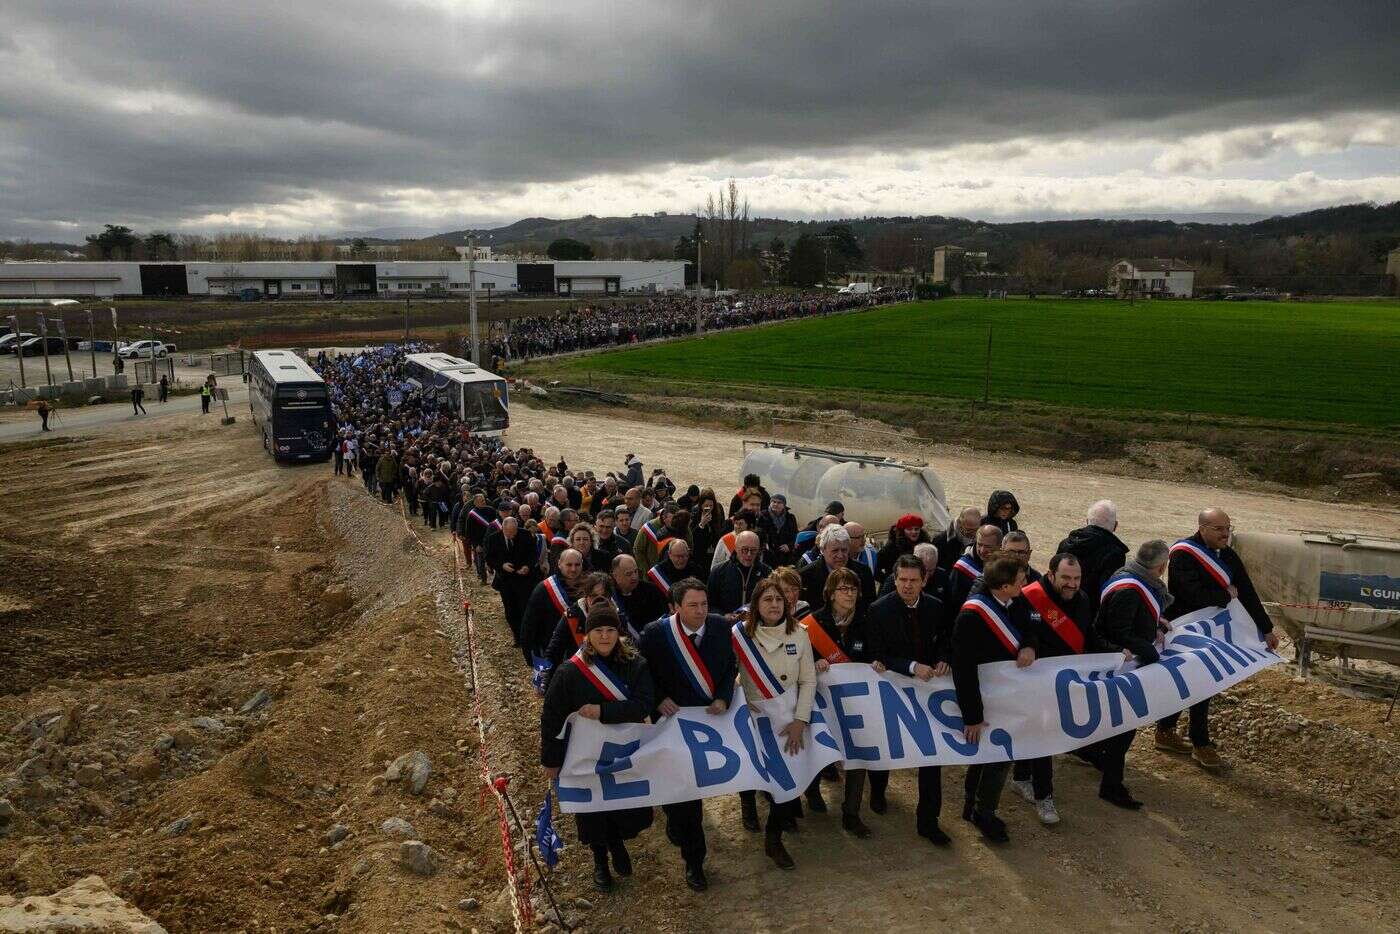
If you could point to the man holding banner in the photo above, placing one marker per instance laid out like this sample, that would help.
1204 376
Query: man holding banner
993 626
1204 571
691 660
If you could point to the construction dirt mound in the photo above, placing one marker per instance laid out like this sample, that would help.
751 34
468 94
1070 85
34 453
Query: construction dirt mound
236 693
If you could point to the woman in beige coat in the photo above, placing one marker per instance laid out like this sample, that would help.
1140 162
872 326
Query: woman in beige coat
779 678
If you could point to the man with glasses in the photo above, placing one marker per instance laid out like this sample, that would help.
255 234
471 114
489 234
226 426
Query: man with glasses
732 583
1018 545
1204 571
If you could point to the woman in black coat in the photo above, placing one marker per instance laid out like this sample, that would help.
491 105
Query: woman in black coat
572 690
707 527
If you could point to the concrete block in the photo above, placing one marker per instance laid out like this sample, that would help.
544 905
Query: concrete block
95 384
75 388
50 392
23 396
116 381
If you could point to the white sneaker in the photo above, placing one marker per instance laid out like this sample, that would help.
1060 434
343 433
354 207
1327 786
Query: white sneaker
1045 810
1024 789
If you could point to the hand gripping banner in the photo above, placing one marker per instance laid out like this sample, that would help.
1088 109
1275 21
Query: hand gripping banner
889 721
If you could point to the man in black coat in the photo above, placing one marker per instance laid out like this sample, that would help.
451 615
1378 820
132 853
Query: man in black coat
968 568
953 541
904 633
608 544
1130 618
992 626
639 600
835 553
677 686
1063 624
1204 571
510 554
778 529
732 583
548 602
1099 550
935 578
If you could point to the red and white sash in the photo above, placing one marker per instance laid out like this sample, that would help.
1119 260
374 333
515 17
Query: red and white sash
558 595
654 536
1147 594
659 580
607 683
965 566
1208 561
688 659
997 620
749 656
1054 617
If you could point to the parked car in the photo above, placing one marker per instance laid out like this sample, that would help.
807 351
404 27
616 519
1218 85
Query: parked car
145 349
9 342
34 347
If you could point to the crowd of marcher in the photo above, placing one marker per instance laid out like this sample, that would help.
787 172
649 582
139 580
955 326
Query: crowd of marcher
672 315
609 582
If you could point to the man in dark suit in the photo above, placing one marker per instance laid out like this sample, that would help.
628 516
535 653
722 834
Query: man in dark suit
692 664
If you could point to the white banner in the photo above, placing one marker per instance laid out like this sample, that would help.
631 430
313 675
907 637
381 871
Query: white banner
889 721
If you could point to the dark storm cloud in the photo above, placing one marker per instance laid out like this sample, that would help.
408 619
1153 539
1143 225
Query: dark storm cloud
160 112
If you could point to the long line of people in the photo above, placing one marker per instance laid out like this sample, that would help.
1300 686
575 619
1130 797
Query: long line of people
629 599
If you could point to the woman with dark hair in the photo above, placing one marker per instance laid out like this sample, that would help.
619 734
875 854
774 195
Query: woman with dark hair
907 532
1001 511
707 526
778 675
608 681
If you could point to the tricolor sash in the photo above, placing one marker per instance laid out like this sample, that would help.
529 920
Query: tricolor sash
598 675
997 620
496 524
479 519
688 659
626 618
1129 582
967 566
660 581
654 536
558 594
748 654
727 540
825 645
869 557
1054 617
541 546
1208 561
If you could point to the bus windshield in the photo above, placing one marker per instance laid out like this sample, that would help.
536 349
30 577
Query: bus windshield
486 403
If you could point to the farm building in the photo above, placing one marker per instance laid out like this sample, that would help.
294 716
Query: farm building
309 279
1163 278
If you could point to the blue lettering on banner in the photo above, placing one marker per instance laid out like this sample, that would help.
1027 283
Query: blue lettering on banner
1172 661
820 733
847 721
1222 619
703 741
1002 739
1063 699
615 758
1207 648
900 716
769 764
952 722
1123 686
571 795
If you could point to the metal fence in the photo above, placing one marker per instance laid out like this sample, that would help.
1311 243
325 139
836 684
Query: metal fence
233 363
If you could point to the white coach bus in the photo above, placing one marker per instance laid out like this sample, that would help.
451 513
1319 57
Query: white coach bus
478 397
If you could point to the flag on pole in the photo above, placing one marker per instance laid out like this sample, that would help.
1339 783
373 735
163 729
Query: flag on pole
547 839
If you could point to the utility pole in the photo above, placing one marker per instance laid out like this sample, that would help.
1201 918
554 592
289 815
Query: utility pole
471 300
63 334
116 338
44 339
918 242
699 315
92 341
14 326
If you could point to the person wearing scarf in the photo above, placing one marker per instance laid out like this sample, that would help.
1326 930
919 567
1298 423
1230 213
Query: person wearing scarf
575 690
783 645
1131 618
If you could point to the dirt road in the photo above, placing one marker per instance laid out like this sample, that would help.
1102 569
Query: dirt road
163 573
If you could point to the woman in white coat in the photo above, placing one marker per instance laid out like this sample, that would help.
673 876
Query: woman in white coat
779 677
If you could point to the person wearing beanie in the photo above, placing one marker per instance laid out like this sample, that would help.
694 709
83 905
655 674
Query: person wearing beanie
608 681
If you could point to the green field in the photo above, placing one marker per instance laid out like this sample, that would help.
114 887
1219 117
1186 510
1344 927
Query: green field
1327 362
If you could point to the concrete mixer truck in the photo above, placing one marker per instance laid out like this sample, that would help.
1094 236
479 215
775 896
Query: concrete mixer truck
875 490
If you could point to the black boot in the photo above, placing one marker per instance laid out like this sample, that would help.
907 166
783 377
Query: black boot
749 808
621 859
773 848
602 879
695 877
852 824
815 801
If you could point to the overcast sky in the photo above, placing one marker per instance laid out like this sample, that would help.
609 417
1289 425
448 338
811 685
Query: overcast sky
303 116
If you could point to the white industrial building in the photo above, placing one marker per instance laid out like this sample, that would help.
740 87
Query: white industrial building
338 279
1162 278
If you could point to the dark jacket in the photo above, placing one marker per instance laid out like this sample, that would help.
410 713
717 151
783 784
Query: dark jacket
775 535
998 499
716 651
569 690
960 585
936 586
852 640
642 605
605 551
1101 554
736 502
540 619
895 546
974 644
814 578
703 538
1124 621
731 584
897 635
519 553
1193 588
950 545
1080 613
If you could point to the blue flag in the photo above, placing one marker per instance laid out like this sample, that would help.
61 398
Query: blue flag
547 839
541 668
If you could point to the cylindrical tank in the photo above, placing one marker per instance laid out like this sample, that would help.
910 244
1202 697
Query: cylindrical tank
875 491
